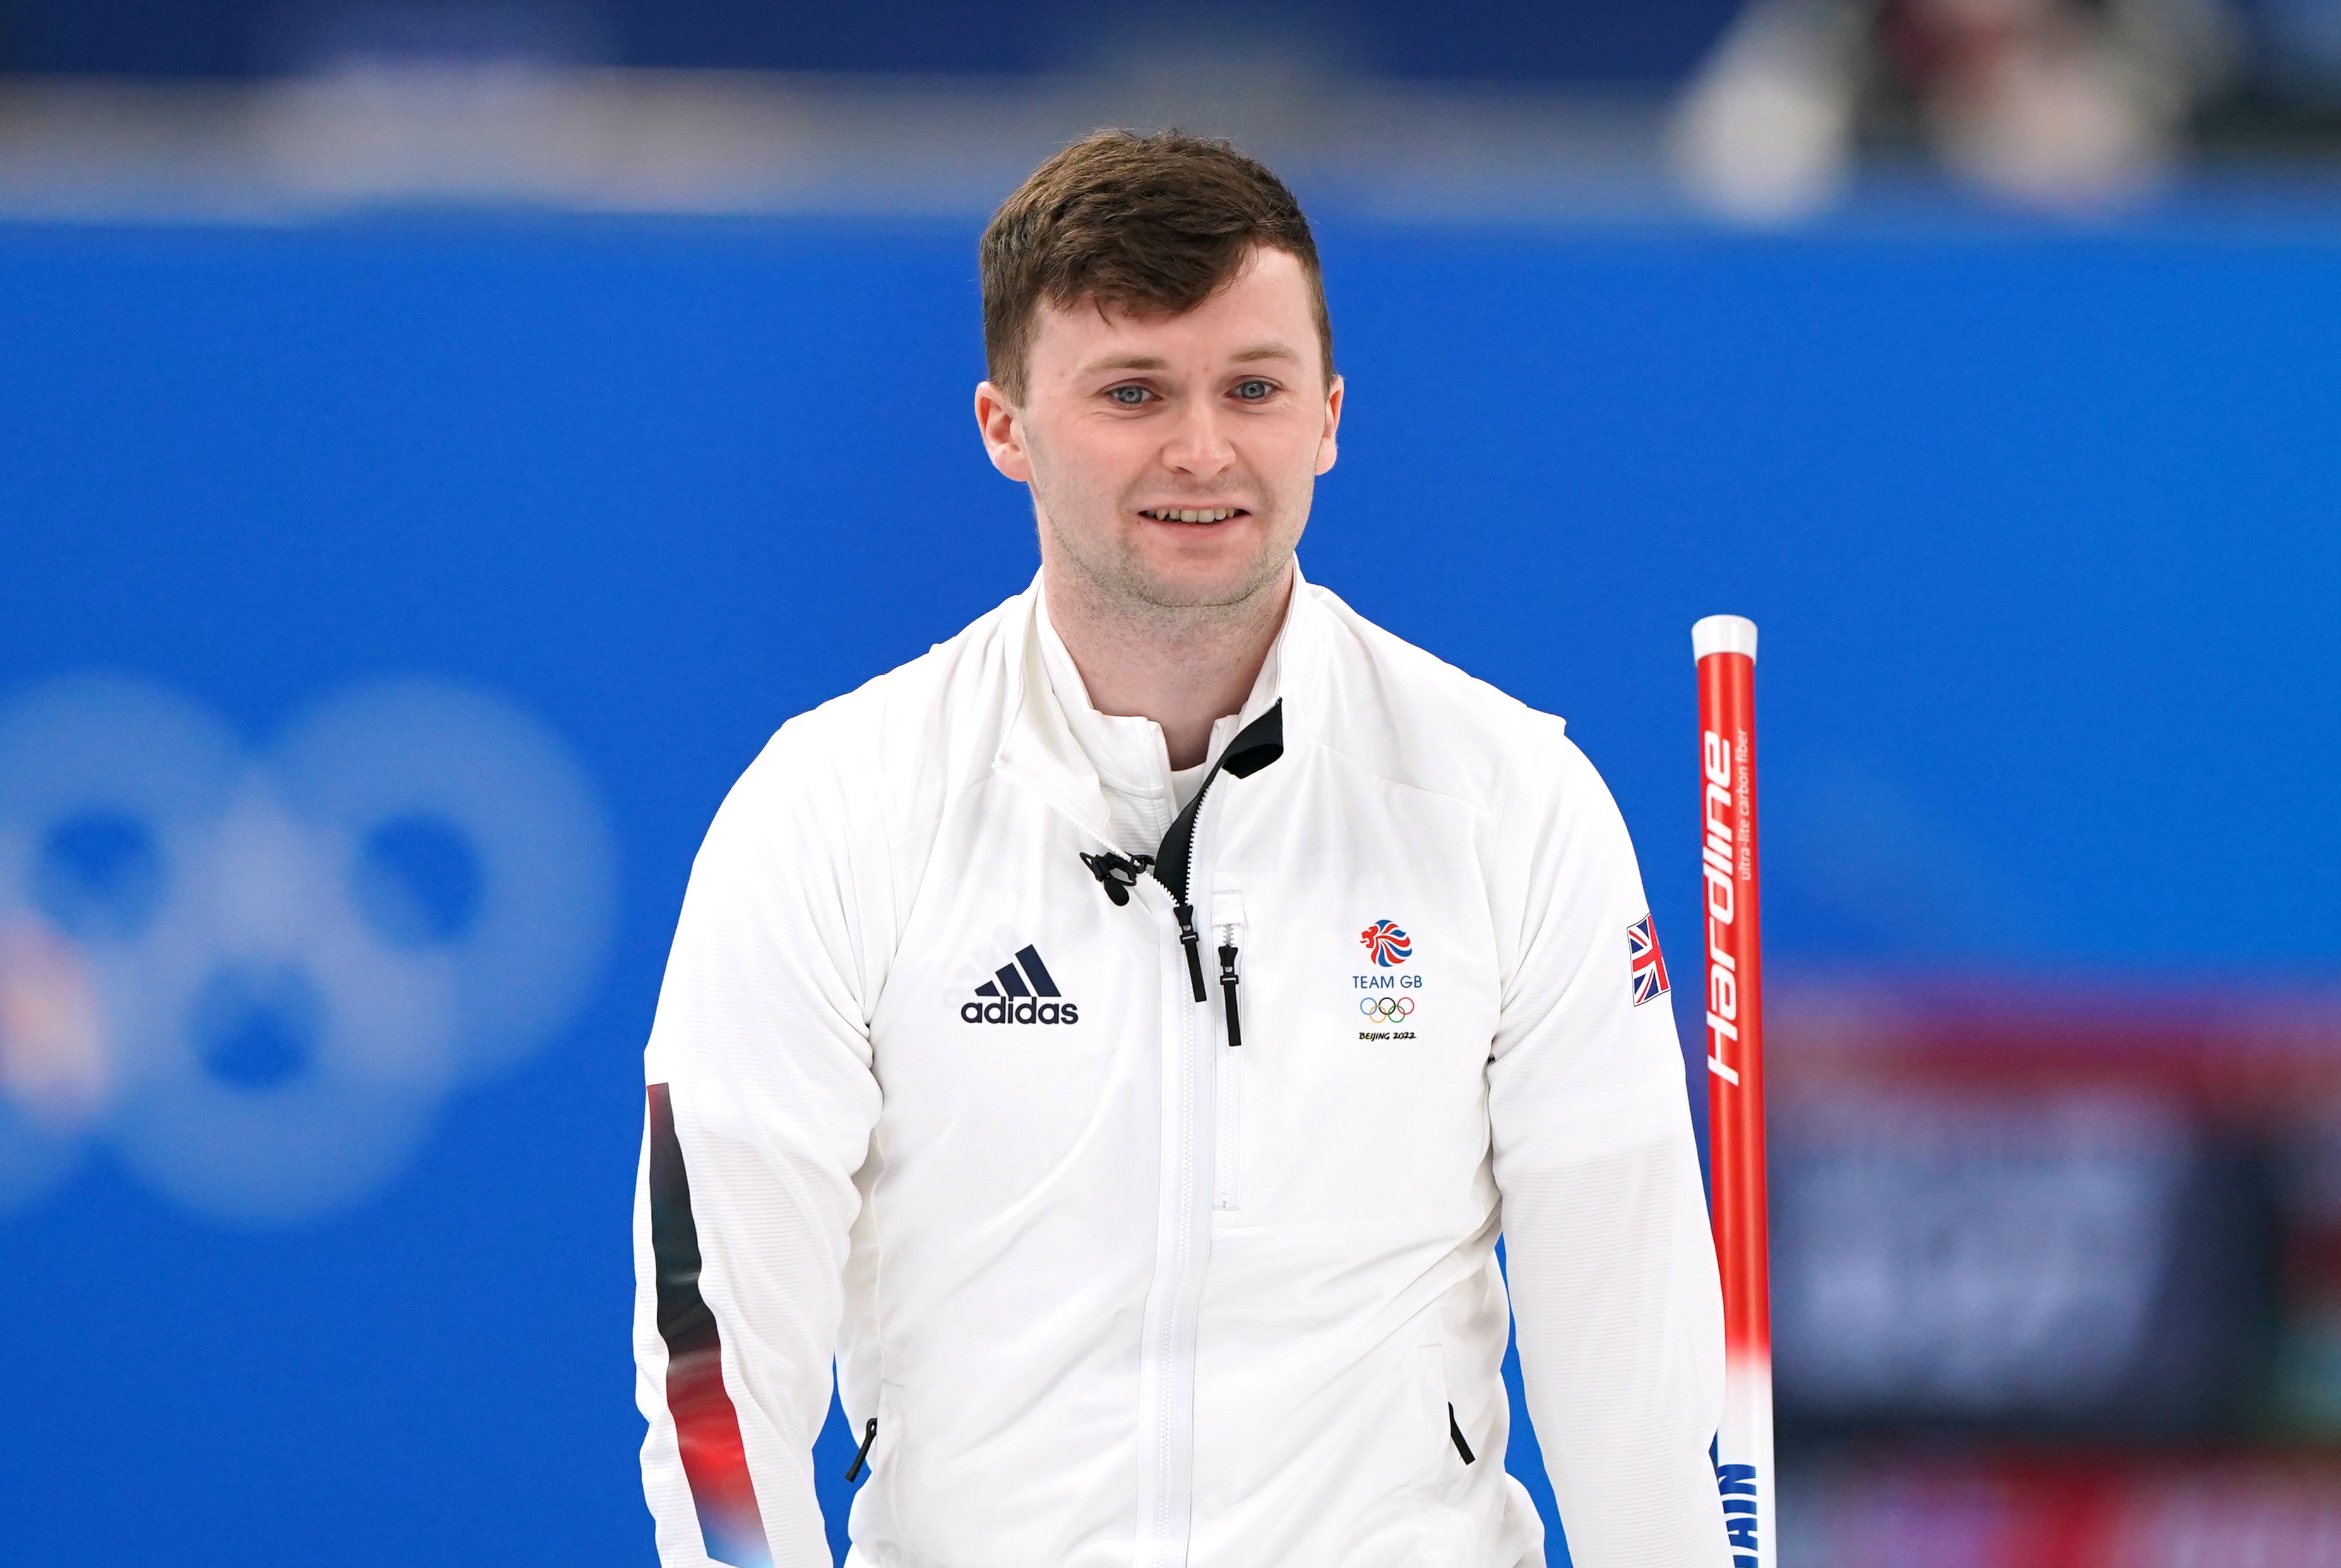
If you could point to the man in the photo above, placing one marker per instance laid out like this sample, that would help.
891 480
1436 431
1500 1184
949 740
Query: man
1119 1036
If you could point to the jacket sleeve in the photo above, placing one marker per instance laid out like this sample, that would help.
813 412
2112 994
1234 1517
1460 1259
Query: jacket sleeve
1610 1258
760 1107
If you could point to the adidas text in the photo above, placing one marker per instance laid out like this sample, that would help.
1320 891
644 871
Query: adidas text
1029 1010
1022 992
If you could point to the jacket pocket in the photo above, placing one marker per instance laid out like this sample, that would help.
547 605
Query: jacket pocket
1431 1375
1453 1475
1227 1184
884 1439
1463 1449
1474 1321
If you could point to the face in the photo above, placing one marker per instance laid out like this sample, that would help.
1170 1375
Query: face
1172 458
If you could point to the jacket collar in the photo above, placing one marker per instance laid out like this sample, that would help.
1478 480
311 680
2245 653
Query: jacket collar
1040 745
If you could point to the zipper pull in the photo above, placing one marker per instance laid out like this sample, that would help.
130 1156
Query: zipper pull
869 1436
1227 984
1193 942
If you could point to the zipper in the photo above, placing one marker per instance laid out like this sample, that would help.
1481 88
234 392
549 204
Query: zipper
1227 985
1168 1390
1259 743
1171 1486
1193 940
1175 1410
1227 1147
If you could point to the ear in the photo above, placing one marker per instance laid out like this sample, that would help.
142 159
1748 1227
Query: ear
1003 433
1328 445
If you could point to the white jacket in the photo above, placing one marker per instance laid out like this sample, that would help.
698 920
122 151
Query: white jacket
1117 1291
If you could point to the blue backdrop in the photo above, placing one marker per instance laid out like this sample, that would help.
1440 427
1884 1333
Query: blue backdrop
2038 525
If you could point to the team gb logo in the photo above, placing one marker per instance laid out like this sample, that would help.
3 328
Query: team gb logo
1388 944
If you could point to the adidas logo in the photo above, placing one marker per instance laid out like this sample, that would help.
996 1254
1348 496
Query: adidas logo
1008 998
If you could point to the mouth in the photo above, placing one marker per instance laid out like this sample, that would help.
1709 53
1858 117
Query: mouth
1191 513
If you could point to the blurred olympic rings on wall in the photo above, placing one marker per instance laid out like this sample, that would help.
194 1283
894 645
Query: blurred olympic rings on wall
256 976
1386 1008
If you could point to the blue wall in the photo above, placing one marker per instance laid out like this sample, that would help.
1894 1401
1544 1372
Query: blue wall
1472 40
2039 528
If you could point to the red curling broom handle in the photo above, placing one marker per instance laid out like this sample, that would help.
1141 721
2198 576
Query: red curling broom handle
1733 968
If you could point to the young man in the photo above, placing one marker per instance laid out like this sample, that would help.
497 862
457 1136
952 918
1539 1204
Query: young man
1119 1036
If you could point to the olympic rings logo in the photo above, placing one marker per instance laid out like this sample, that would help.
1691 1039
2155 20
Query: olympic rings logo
1389 1010
255 978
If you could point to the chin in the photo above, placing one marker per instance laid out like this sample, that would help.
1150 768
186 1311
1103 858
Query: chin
1193 567
1188 585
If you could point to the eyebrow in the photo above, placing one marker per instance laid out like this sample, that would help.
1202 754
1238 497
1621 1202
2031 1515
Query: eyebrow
1257 352
1126 362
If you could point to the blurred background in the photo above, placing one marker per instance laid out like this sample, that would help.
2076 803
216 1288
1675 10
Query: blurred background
440 441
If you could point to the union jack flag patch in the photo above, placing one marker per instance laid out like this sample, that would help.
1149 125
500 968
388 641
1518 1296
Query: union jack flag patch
1649 964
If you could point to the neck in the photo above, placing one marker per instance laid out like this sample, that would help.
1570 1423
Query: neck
1185 668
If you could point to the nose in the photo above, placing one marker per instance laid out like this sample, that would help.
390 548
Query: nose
1198 445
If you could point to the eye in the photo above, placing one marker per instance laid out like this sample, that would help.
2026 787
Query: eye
1254 390
1129 396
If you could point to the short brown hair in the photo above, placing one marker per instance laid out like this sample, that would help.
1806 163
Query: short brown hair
1148 224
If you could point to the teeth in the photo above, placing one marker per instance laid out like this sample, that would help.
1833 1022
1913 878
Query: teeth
1206 514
